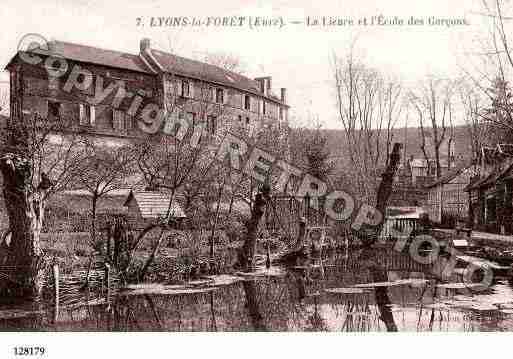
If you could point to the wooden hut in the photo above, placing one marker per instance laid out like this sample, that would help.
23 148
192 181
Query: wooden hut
147 207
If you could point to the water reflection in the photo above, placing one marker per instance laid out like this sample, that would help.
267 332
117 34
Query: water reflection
302 299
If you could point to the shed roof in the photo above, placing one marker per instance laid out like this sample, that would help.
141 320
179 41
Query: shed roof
155 204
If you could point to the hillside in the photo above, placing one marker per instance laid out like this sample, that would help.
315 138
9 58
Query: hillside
410 137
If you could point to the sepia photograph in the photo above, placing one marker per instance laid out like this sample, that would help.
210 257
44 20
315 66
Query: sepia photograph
247 166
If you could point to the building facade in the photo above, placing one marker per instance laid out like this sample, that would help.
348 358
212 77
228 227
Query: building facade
107 93
491 191
447 200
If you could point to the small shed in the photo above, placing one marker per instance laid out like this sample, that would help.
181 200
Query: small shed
147 207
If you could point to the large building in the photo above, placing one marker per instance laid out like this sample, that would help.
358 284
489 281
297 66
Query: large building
108 95
106 92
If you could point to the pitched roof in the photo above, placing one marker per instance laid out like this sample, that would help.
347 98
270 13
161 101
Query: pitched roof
422 163
202 71
492 178
449 176
95 55
155 204
171 63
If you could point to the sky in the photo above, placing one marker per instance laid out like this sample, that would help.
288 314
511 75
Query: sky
297 56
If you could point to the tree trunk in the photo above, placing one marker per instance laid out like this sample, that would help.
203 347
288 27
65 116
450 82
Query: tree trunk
383 300
437 160
151 258
25 209
257 320
385 187
249 248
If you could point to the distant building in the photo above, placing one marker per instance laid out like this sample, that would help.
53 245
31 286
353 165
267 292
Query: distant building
447 199
423 171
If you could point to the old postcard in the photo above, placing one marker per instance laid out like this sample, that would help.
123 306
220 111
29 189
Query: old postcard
253 166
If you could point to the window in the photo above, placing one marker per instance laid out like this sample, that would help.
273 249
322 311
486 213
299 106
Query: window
247 102
212 124
240 118
186 88
129 122
263 107
491 210
54 109
87 115
118 120
219 96
247 120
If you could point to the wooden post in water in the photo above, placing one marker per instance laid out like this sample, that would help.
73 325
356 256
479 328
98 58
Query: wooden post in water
107 281
55 271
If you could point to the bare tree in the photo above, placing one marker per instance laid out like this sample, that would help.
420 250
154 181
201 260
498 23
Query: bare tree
104 170
227 61
369 106
472 102
433 102
495 66
170 162
39 157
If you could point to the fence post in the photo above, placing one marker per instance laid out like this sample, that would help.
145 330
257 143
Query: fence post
56 285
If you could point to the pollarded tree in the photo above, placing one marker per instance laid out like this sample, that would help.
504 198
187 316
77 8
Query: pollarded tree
39 157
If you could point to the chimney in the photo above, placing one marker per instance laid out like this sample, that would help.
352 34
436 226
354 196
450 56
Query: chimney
283 95
260 84
145 45
147 56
